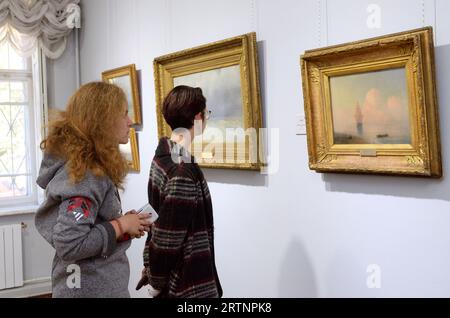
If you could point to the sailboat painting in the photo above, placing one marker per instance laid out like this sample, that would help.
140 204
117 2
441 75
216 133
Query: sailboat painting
370 108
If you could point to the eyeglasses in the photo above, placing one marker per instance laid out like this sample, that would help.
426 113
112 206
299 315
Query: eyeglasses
207 114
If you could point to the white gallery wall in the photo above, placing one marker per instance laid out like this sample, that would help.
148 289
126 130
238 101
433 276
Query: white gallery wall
293 233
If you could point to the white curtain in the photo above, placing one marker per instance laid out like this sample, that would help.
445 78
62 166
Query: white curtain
47 23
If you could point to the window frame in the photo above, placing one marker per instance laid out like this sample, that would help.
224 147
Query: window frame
37 120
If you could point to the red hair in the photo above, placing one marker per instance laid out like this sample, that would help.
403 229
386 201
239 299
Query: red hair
84 136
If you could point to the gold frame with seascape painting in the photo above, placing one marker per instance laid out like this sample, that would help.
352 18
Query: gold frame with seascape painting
126 78
130 151
371 106
227 72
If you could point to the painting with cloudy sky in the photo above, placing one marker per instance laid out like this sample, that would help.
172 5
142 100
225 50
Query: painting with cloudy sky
370 108
222 89
124 82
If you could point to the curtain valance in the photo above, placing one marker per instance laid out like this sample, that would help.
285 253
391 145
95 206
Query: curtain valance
47 23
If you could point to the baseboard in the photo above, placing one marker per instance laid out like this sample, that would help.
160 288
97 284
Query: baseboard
30 288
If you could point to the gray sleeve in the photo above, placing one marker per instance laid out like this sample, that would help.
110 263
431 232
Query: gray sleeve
76 235
109 238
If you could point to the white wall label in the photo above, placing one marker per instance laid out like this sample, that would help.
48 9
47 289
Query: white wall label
300 125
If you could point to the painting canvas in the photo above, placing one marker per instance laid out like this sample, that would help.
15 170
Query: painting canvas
124 82
126 78
371 106
222 90
227 73
130 151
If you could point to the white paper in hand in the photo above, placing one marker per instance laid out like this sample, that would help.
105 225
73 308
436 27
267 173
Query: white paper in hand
149 209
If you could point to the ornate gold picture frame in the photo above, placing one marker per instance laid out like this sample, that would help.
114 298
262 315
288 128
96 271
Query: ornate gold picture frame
126 78
227 72
371 106
131 151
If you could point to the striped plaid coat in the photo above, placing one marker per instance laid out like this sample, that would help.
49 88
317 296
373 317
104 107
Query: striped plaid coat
179 252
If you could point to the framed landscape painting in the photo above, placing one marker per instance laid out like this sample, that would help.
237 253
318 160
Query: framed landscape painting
371 107
227 73
126 78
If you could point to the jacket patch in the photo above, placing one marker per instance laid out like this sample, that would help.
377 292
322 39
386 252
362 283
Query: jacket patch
79 207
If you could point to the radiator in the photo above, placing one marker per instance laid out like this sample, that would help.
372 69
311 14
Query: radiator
11 268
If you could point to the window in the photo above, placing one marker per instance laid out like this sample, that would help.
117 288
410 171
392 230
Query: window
19 129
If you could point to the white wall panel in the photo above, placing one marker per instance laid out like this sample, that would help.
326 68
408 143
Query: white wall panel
350 20
197 22
442 22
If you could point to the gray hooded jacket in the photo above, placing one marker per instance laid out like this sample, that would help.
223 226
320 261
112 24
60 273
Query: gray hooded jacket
74 219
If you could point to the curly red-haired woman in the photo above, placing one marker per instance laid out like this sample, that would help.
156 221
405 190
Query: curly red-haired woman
82 216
